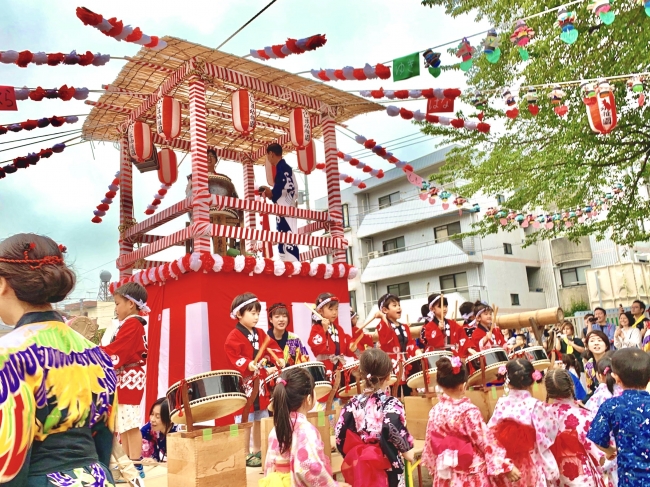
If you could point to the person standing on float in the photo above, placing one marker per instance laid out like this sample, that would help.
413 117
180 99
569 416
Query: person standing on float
283 193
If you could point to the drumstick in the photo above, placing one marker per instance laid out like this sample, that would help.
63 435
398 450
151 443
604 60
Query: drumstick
274 356
262 349
313 311
456 312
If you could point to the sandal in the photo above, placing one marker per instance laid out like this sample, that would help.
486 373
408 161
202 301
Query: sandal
254 460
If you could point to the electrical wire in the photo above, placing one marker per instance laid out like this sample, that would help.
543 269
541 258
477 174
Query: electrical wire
383 144
246 24
39 141
39 136
426 138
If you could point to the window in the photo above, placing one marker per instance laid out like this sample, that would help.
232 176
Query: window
393 245
574 276
348 255
353 300
534 276
514 299
455 283
402 289
507 249
443 232
346 216
500 199
389 200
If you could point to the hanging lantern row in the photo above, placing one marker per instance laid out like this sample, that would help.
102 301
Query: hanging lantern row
378 173
30 159
307 158
383 153
419 116
64 93
104 206
167 175
117 30
560 219
40 123
24 58
439 93
292 46
350 74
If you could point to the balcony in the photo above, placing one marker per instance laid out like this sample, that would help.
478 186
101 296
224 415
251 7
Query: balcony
565 251
404 213
427 256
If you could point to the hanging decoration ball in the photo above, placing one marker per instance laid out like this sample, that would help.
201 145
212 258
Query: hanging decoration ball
307 158
300 127
510 101
521 37
556 96
532 98
479 101
491 46
635 85
168 118
465 52
243 111
565 20
431 59
588 91
602 9
167 166
140 141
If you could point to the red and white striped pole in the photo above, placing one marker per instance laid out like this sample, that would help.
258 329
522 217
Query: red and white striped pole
250 218
199 148
333 184
126 201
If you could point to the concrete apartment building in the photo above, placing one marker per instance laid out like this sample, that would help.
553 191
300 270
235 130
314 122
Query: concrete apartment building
405 246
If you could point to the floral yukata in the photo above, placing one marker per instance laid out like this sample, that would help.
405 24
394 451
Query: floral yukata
374 421
154 443
308 464
628 418
578 458
601 395
57 406
526 429
460 450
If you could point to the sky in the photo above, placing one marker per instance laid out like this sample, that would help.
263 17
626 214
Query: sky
58 195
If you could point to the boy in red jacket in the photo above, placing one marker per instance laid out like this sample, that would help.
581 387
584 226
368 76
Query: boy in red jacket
128 352
487 334
327 340
441 333
241 347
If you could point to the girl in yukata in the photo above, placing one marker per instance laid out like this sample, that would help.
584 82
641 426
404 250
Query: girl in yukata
571 366
578 459
291 345
154 433
295 456
607 386
525 428
460 450
371 432
597 347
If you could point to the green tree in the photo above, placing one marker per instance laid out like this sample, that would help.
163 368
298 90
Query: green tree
547 161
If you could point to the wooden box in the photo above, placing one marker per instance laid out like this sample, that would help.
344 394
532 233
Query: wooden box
417 414
207 457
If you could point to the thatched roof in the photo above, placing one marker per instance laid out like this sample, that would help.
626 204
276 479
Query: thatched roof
273 111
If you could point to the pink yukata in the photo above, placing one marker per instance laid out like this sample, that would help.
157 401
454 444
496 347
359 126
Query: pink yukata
578 458
309 466
531 420
458 419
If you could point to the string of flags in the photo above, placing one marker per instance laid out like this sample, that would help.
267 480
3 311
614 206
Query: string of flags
103 207
40 123
30 159
24 58
292 46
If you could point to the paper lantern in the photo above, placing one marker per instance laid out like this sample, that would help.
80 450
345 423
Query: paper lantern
300 127
243 111
167 167
168 118
307 158
601 110
140 143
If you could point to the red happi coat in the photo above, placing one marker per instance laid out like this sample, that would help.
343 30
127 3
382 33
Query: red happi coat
365 342
389 342
434 338
128 352
480 332
241 351
323 346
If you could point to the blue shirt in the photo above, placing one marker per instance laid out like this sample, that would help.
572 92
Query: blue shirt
608 329
628 418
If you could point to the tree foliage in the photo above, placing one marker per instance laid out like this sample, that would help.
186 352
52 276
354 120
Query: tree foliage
546 161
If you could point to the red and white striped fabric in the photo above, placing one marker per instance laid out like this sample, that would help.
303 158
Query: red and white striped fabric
307 158
168 117
243 111
167 166
140 143
300 127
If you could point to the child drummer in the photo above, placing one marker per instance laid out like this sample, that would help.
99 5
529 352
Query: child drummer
441 333
360 340
241 347
487 334
327 340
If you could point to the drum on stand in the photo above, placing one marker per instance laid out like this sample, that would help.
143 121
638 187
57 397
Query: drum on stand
537 356
349 379
494 358
212 395
317 370
415 377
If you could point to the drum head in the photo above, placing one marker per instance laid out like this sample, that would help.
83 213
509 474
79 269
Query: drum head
416 381
490 375
322 389
353 389
212 408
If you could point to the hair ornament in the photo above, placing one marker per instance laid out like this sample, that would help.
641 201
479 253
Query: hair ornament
502 371
537 376
282 381
276 307
62 248
607 370
34 263
233 313
456 364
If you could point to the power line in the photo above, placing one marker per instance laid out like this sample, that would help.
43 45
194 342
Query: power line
426 138
39 141
39 136
246 24
383 144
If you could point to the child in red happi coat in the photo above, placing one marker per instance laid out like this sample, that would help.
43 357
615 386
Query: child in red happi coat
441 333
327 340
487 334
365 341
241 347
128 352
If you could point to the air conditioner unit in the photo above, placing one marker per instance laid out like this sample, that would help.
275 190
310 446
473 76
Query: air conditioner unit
373 255
642 257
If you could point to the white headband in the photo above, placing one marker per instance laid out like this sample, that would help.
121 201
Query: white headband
466 315
325 301
479 313
435 300
233 313
353 315
141 305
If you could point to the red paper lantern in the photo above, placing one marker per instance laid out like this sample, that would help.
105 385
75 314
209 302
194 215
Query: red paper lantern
243 111
300 128
168 117
307 158
140 143
167 167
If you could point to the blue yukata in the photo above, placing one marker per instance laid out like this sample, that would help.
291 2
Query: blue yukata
628 418
285 193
